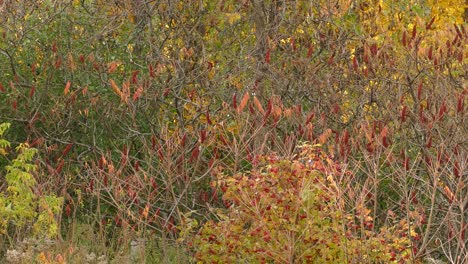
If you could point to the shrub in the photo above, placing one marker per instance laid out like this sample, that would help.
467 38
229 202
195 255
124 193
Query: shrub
291 211
21 207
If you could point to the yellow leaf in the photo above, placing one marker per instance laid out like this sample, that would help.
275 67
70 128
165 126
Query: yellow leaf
232 18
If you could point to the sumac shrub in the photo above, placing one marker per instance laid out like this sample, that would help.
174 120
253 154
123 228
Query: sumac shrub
289 211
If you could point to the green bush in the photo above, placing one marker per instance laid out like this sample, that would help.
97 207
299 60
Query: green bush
20 204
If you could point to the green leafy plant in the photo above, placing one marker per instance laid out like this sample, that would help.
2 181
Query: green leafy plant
20 204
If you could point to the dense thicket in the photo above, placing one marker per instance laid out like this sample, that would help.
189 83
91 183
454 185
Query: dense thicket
144 114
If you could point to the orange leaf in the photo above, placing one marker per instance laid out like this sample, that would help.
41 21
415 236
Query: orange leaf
137 93
326 134
112 66
384 132
258 105
125 91
84 91
67 88
32 91
146 211
115 88
268 56
243 103
449 193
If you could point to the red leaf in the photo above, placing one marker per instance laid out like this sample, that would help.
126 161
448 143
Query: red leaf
429 53
223 139
124 156
428 26
442 110
234 101
68 210
460 103
101 162
137 94
383 135
267 56
54 47
195 153
2 89
330 60
422 116
403 39
58 63
251 109
403 114
136 166
429 142
310 51
32 91
183 140
106 180
153 142
346 137
310 117
168 90
151 71
153 184
91 185
160 153
59 167
67 149
202 136
336 108
191 95
373 49
208 119
355 64
134 76
456 169
457 30
385 142
419 90
413 35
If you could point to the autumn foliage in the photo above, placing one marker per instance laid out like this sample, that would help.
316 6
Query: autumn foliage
225 131
295 210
